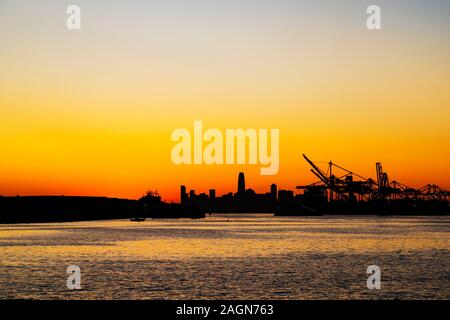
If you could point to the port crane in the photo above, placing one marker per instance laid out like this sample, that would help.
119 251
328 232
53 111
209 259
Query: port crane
343 186
350 186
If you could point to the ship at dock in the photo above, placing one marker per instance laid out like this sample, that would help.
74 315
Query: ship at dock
154 208
340 191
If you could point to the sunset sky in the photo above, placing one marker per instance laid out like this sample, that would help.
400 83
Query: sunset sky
90 112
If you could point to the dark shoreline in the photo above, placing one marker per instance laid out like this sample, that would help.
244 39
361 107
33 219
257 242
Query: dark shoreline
42 209
48 209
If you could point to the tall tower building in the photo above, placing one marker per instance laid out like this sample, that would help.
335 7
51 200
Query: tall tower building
241 183
273 191
183 195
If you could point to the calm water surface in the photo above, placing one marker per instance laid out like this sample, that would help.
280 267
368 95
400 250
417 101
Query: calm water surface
229 257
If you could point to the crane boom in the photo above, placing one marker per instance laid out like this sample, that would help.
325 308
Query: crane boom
318 172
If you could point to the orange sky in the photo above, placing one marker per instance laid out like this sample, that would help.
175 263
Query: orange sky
91 112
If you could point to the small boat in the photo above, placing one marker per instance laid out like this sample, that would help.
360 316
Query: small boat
137 219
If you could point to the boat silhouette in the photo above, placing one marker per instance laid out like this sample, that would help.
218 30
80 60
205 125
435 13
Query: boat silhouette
155 208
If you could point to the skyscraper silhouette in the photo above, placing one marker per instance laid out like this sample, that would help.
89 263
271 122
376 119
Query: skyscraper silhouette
273 191
241 183
183 195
